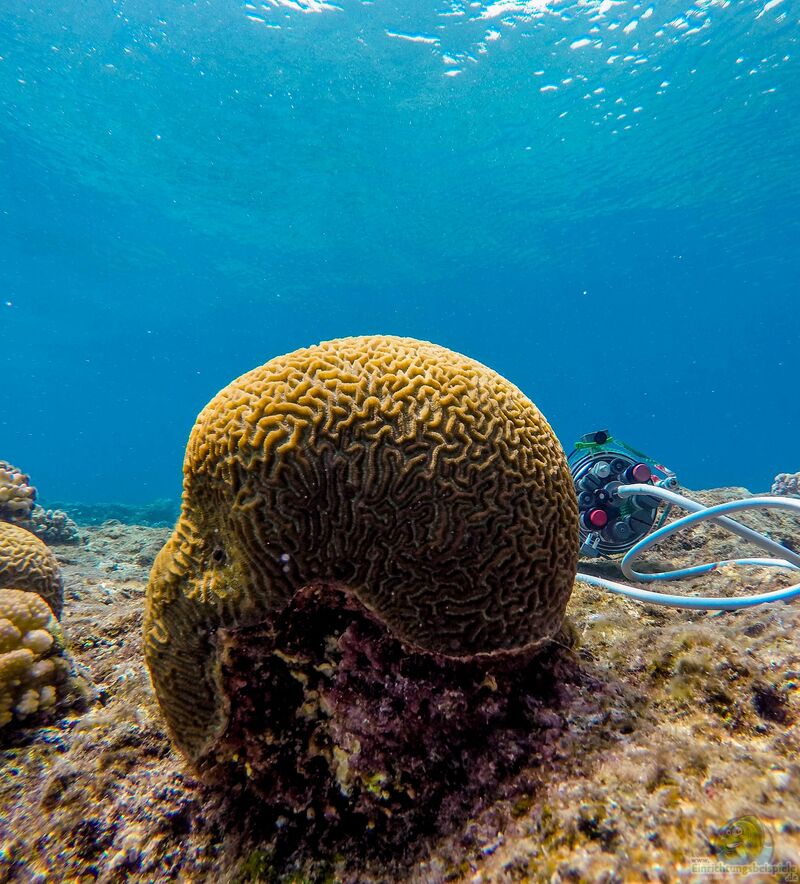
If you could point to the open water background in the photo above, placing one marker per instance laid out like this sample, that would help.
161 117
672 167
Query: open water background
600 200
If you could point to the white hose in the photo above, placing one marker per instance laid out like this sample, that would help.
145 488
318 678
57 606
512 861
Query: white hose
699 513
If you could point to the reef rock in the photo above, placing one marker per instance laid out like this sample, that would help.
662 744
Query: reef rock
158 514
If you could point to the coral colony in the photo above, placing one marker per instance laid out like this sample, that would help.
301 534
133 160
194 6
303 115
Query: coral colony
368 526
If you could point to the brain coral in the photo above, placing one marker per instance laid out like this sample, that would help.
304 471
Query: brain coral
27 563
17 495
422 481
31 668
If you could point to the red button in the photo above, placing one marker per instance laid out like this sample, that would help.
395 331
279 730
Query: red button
598 518
641 472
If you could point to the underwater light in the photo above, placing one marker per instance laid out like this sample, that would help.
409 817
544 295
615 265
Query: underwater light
624 499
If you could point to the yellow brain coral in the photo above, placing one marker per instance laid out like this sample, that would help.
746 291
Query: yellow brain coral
30 666
421 480
28 563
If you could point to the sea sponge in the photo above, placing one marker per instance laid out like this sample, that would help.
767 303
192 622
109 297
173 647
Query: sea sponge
32 666
17 495
418 480
27 563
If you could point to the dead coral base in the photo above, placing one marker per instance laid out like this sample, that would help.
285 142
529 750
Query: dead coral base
342 739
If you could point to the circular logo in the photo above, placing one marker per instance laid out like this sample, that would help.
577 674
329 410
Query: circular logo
742 841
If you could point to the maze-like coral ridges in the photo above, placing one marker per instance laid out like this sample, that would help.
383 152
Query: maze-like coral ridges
423 482
27 563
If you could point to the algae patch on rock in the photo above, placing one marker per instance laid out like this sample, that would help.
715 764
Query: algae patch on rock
338 735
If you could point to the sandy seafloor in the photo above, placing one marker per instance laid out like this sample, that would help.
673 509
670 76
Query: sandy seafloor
696 724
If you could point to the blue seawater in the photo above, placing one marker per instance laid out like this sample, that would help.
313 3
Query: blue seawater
599 199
